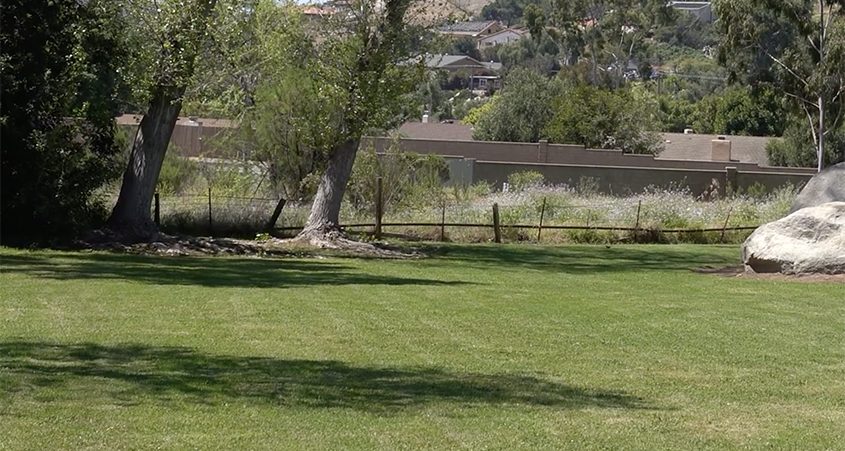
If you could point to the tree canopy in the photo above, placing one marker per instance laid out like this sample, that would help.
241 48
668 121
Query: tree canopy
62 82
796 46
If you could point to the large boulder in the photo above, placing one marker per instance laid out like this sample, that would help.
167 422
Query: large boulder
826 186
809 241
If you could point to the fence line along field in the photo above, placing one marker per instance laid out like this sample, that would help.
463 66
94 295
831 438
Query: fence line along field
527 212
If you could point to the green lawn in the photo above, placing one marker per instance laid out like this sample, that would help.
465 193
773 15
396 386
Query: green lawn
477 347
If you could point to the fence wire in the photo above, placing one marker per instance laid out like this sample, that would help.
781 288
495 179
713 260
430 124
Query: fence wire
520 218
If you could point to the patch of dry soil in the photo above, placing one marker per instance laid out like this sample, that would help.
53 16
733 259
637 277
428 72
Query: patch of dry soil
740 272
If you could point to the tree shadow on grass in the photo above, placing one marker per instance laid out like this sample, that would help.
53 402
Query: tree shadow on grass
582 259
134 374
204 271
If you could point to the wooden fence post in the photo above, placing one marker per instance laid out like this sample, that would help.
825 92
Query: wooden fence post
542 214
639 206
210 223
157 210
443 221
497 232
725 226
379 207
275 217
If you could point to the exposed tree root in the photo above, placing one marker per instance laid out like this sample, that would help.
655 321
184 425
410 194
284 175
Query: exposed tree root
163 244
331 242
334 239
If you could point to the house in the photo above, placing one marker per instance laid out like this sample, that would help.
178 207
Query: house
743 149
471 73
505 36
475 29
318 14
702 10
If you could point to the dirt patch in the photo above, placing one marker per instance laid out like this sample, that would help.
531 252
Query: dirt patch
740 272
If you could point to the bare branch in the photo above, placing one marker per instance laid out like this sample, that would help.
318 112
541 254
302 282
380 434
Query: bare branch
802 99
783 65
812 124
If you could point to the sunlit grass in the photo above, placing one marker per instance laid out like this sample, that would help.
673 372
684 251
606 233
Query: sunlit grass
476 347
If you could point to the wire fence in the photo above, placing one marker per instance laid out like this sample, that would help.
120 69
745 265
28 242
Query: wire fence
468 221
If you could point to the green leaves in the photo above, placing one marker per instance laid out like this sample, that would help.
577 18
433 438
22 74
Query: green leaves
796 45
605 119
60 91
520 111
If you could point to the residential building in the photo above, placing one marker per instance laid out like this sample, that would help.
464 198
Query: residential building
476 29
473 74
505 36
702 10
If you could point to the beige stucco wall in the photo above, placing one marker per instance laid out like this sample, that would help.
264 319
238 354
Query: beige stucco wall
614 171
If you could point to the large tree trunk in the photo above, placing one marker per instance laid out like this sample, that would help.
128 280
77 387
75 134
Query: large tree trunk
131 216
324 220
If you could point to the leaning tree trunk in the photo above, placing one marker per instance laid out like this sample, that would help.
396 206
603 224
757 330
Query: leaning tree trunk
324 221
131 216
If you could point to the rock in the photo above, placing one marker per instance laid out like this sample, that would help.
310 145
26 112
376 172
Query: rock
809 241
826 186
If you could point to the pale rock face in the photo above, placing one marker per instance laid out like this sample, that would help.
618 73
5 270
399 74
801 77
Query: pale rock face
809 241
826 186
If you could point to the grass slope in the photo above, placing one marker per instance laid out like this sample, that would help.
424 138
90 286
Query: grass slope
478 347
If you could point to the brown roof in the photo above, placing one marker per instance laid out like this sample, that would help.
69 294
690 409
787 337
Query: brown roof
312 10
473 27
746 149
448 132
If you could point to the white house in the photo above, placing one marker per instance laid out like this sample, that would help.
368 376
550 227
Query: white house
505 36
476 29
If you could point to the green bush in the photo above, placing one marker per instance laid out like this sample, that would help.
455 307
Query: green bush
520 111
177 173
605 119
61 82
408 179
522 180
797 148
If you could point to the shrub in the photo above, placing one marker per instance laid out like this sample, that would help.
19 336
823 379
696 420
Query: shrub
520 181
177 173
408 179
475 112
797 148
605 119
521 111
61 84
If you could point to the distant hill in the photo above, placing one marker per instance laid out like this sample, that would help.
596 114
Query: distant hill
433 12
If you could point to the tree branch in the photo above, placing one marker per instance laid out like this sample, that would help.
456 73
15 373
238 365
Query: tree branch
783 65
801 99
812 124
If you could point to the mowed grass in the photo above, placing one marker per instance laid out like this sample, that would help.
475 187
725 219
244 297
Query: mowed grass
477 347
